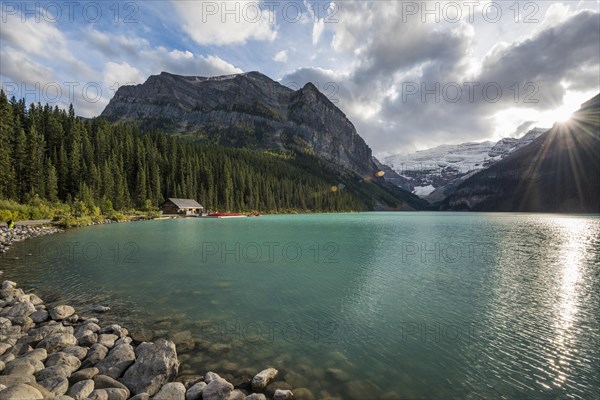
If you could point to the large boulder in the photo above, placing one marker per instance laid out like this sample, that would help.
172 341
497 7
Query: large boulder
49 329
76 351
195 391
19 311
71 362
95 354
116 393
61 312
106 382
261 380
283 395
52 372
156 364
256 396
21 391
171 391
87 338
82 374
82 389
107 340
217 389
115 330
237 395
117 361
57 342
37 354
57 386
39 316
23 366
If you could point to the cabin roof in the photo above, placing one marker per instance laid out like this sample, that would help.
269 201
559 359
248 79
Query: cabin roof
185 203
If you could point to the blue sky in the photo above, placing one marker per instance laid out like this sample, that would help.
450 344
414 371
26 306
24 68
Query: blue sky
409 75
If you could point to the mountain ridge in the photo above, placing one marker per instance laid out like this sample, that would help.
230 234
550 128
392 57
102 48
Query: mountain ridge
244 110
436 171
557 172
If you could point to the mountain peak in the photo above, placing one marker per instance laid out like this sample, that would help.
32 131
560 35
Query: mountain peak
310 86
256 74
246 109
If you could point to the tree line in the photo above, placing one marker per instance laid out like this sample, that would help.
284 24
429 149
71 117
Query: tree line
51 154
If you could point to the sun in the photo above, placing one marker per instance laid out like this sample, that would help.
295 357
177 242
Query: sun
564 113
571 102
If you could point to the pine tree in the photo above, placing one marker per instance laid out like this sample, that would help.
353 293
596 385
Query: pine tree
20 163
52 182
7 172
33 172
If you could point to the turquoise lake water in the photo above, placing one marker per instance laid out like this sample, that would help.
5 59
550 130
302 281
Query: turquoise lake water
401 305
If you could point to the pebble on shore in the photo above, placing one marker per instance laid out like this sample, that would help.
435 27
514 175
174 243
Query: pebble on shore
61 355
22 232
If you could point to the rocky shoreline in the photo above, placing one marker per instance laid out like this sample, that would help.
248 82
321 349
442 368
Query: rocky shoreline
22 232
53 353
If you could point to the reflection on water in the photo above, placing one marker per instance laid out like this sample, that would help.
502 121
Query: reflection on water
572 255
422 305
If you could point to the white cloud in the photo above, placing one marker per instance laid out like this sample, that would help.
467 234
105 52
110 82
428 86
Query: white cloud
121 74
137 53
114 46
19 69
43 40
184 63
555 14
35 37
281 57
226 23
318 28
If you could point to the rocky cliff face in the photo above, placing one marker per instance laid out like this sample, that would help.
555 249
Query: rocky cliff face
393 177
244 110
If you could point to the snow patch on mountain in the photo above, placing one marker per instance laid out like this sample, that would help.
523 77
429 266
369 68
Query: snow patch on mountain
460 158
423 191
432 169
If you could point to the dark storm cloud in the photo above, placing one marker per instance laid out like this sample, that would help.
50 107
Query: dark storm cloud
548 58
444 50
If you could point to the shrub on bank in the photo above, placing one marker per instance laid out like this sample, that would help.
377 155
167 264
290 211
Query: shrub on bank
76 214
37 209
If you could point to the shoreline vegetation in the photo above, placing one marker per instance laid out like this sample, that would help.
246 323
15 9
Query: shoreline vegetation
55 353
68 215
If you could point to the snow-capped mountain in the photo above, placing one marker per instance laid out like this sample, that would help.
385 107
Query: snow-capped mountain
509 145
433 171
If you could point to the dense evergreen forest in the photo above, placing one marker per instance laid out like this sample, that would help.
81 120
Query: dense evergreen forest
50 154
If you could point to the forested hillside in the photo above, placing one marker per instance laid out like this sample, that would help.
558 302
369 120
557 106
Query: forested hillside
248 110
50 153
